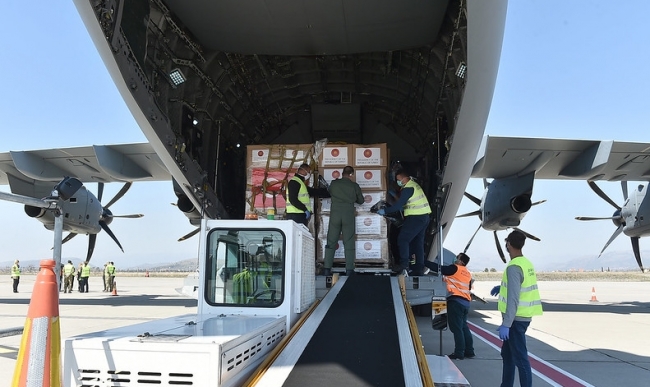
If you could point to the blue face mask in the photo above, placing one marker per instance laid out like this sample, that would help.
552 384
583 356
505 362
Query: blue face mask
399 183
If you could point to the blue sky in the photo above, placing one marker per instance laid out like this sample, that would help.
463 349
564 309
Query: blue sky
569 69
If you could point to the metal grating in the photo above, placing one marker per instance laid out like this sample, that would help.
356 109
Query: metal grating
113 378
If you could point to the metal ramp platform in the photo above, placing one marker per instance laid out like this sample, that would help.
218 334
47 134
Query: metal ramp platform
357 336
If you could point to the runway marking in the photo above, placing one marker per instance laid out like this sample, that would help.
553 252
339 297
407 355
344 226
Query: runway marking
548 372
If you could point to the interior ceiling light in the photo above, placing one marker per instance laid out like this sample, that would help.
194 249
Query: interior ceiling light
461 70
177 77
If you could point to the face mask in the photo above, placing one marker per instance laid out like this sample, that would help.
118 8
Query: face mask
399 183
307 176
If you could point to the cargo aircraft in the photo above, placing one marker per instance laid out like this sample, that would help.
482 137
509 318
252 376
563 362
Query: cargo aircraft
204 80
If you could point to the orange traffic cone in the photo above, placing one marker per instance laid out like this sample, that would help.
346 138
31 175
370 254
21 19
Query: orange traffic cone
593 295
114 289
39 357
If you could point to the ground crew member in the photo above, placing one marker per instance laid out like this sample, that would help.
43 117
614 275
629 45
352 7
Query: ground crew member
104 275
85 274
15 275
298 207
416 219
68 277
519 301
344 192
458 280
110 276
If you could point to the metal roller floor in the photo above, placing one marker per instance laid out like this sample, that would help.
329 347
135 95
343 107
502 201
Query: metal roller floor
356 343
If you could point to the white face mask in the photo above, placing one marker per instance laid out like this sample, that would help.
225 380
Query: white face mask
307 176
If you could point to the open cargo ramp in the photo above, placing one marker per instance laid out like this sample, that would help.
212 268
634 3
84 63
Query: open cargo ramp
359 335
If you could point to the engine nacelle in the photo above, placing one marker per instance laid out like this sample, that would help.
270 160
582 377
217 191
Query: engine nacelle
34 212
185 204
521 203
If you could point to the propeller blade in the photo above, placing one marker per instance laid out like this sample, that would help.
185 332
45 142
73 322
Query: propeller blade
624 188
471 239
132 216
602 195
100 191
499 249
189 235
637 253
529 236
539 202
92 238
592 218
477 212
117 197
68 237
616 233
473 198
110 233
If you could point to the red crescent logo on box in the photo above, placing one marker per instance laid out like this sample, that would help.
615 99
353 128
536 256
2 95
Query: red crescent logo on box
367 221
367 153
367 246
335 152
260 153
367 175
336 174
367 198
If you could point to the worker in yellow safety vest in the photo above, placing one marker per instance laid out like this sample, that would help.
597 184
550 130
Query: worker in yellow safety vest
15 275
519 301
298 193
68 277
416 219
85 274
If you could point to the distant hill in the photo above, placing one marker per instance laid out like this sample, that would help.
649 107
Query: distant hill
29 266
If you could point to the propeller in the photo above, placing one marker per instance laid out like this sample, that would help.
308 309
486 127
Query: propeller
189 234
105 219
478 213
617 218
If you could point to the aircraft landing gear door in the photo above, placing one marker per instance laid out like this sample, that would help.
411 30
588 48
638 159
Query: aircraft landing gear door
439 315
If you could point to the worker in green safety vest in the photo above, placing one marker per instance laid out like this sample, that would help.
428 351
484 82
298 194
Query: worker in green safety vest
298 193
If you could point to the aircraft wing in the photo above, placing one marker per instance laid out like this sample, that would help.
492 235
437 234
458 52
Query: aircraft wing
503 157
34 173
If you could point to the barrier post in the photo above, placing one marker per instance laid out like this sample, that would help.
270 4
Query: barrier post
39 356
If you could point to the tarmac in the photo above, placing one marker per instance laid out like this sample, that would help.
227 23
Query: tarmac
584 338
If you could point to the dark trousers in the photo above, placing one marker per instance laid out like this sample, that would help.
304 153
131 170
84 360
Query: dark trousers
457 321
83 285
298 218
515 354
411 241
16 281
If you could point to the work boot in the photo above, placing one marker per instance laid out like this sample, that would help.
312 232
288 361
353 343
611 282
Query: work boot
327 272
349 272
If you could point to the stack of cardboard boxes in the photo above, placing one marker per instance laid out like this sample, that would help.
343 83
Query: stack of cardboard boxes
370 167
268 168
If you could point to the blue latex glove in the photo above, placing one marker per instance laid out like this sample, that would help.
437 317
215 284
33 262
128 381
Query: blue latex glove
504 332
307 215
381 212
495 290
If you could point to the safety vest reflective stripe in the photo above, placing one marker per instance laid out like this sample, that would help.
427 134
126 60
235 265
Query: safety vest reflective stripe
459 283
417 203
15 271
303 197
530 303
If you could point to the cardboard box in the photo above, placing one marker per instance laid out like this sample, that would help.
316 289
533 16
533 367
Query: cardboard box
369 200
278 156
370 155
368 251
371 178
335 155
330 174
370 225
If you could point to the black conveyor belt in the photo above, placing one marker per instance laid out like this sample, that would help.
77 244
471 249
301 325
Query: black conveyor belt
356 344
